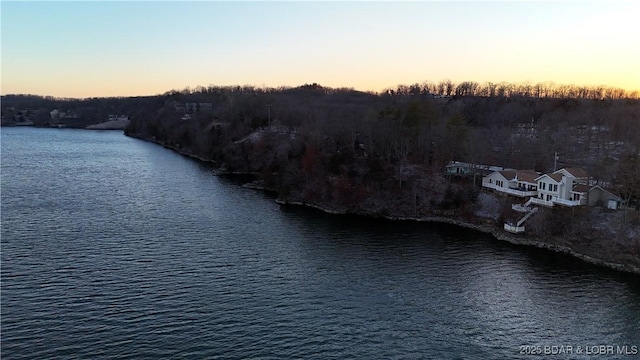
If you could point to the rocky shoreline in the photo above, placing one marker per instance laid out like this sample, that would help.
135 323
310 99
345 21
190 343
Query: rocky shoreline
497 233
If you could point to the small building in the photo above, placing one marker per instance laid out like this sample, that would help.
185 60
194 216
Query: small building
458 168
601 197
113 117
463 168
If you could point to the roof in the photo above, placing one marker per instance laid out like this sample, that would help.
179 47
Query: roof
557 177
454 163
599 188
575 172
458 164
580 188
508 174
529 176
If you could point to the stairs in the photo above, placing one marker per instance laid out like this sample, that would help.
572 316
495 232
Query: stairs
522 207
519 227
527 216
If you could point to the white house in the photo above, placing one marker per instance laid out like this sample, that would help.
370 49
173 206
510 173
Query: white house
564 187
568 186
498 180
549 187
513 182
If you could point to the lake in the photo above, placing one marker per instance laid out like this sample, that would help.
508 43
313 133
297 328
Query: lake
113 247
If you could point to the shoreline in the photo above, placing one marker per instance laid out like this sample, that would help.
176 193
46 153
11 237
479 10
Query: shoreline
177 150
496 233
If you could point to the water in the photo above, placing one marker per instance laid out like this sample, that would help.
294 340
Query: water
117 248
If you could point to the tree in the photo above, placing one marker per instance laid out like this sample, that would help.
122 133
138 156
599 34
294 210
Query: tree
456 135
627 180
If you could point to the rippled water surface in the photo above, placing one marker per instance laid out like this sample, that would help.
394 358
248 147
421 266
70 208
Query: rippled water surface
117 248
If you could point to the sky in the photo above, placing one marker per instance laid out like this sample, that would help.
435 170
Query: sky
125 48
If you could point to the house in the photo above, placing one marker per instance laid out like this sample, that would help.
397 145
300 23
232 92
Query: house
564 187
113 117
463 168
56 114
567 186
498 180
519 183
549 187
458 168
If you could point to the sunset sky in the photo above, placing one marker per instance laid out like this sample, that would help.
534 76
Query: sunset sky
123 48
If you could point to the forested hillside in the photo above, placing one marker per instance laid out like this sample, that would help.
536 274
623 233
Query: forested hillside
347 151
398 130
306 134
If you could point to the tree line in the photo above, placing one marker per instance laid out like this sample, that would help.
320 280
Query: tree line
397 136
396 133
506 89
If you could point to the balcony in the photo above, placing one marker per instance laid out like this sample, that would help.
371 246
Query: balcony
511 191
564 202
518 192
542 202
558 201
